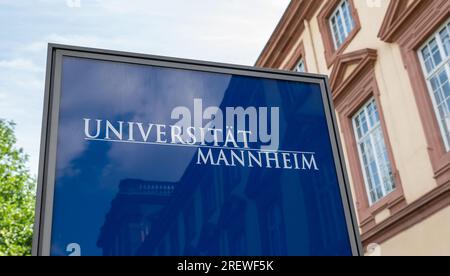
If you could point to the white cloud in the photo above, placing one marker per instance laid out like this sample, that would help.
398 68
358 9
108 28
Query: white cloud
232 31
35 47
20 64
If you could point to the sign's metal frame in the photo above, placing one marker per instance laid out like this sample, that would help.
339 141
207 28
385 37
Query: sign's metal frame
47 159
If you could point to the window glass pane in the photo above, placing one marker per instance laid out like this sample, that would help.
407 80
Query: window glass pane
447 107
446 89
376 165
434 83
335 32
445 37
373 197
443 77
357 127
445 119
374 171
441 91
426 52
373 114
429 65
442 112
300 67
437 58
340 26
352 21
347 17
364 126
436 63
383 160
342 23
376 115
379 192
437 95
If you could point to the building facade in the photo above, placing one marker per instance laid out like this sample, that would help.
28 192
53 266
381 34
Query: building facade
388 63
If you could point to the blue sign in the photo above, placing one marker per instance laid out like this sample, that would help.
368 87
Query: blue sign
146 155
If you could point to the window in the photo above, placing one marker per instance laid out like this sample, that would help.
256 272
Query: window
435 58
341 23
373 154
357 94
300 67
297 61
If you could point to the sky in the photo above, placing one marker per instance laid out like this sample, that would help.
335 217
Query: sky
231 31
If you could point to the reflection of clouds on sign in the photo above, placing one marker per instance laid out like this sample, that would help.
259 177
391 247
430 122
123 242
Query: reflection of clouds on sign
186 85
102 79
125 89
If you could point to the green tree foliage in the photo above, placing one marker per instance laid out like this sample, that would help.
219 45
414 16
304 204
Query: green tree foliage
17 196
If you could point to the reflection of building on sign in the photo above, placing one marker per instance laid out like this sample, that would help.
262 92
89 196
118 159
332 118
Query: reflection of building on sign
132 214
207 213
170 161
222 210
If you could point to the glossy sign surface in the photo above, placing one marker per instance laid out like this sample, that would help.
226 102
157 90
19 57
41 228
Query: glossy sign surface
163 161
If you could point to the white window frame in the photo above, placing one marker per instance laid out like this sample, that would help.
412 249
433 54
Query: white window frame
347 29
444 65
372 145
297 67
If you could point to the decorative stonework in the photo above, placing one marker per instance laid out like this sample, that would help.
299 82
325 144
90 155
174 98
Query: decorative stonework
348 68
353 82
287 32
411 27
331 54
410 215
298 55
397 15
